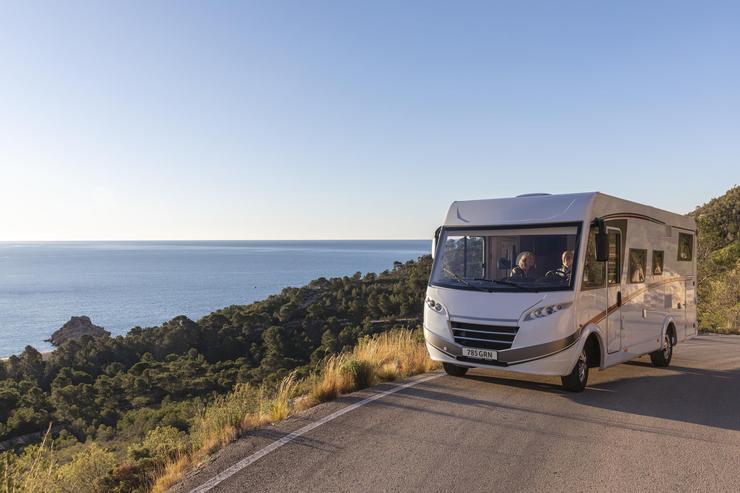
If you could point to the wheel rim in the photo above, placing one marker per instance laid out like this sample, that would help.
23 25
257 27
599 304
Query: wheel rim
667 347
582 366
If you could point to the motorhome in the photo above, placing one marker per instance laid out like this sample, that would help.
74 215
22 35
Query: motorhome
558 284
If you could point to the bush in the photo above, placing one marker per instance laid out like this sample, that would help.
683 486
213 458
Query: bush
361 373
221 422
33 470
162 444
88 471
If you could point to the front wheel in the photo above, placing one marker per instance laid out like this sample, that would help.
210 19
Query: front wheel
454 370
576 380
662 357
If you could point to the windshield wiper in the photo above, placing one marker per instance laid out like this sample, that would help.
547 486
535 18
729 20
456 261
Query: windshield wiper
463 281
507 283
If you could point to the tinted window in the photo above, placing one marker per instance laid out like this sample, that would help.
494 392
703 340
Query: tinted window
594 273
613 266
685 246
657 262
638 260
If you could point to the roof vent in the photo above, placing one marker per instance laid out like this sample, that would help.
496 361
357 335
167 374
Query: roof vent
532 195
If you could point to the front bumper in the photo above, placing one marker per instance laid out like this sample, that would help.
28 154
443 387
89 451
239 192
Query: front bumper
506 357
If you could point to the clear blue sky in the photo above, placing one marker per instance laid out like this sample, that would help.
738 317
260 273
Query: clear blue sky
246 120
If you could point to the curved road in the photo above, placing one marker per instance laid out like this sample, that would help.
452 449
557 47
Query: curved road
673 429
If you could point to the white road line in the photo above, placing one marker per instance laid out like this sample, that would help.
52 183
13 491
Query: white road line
227 473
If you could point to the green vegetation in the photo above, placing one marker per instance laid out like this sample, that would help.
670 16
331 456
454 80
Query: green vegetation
718 261
157 385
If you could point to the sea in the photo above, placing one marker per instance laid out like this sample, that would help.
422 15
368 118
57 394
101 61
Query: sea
124 284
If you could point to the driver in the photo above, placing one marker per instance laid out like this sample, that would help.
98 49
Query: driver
563 273
524 268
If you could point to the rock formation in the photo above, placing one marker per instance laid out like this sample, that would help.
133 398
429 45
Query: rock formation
76 328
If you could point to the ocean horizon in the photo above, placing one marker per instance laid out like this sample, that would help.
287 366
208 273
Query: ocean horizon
129 283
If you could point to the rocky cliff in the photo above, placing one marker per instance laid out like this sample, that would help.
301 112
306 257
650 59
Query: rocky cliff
76 328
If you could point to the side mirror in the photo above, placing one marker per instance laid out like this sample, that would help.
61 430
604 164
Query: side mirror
435 239
602 247
602 242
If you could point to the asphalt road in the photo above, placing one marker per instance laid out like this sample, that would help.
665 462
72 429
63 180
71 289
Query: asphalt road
673 429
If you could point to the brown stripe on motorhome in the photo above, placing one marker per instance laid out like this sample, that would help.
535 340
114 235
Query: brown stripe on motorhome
602 315
630 215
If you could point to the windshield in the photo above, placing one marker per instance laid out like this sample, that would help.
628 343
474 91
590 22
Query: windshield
531 259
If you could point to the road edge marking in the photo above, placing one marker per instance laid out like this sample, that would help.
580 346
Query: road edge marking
230 471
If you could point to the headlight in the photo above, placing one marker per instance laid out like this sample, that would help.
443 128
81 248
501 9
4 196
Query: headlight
435 305
544 311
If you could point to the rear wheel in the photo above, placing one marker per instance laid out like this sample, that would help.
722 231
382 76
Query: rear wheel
576 380
454 370
662 357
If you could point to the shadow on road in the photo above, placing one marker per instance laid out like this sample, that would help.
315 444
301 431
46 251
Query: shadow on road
692 395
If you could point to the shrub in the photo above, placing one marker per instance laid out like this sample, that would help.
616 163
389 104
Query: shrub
361 373
88 470
221 422
33 470
162 443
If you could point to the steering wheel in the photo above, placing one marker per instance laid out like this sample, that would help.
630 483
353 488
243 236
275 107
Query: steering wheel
555 275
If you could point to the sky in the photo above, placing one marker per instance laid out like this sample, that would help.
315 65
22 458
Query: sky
353 120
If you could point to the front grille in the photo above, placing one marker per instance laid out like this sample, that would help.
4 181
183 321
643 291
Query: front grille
496 337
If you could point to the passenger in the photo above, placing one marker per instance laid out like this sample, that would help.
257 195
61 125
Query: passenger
637 272
567 267
524 268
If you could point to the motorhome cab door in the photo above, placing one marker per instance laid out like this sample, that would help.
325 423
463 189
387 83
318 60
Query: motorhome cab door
614 291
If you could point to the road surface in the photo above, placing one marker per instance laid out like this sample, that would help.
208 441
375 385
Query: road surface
635 427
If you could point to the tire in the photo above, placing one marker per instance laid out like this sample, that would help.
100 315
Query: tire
576 380
662 357
454 370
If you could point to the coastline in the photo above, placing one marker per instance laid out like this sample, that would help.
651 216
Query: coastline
44 355
121 285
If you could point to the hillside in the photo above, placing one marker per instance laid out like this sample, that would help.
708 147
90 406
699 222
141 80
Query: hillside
114 391
718 259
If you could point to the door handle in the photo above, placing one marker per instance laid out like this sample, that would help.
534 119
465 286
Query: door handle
619 298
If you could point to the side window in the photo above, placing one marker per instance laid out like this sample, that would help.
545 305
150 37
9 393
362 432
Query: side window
657 262
685 246
638 259
614 267
594 273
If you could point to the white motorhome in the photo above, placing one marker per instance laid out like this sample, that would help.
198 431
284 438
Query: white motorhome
557 284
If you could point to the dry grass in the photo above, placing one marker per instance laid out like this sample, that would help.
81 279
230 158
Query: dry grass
222 421
400 351
385 357
35 470
389 356
171 474
38 469
280 404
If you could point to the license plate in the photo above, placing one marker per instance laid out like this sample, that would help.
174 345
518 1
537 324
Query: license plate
480 353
